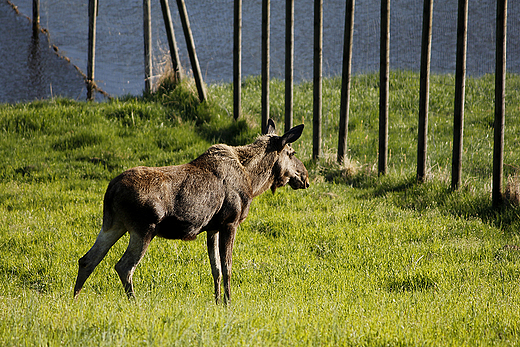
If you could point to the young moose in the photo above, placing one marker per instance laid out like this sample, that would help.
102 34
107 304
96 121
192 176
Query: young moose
212 193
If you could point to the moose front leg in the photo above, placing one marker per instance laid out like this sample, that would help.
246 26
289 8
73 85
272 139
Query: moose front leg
226 241
214 259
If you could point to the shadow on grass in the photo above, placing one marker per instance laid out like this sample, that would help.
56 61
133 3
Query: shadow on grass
406 193
212 122
230 132
410 282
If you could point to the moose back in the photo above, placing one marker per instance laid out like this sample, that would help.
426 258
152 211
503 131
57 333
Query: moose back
212 193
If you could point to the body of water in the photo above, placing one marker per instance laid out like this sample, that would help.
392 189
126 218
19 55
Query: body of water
29 68
32 70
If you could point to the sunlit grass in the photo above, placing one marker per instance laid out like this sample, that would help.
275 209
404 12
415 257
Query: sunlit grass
356 259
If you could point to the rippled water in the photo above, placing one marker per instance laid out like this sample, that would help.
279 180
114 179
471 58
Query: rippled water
31 68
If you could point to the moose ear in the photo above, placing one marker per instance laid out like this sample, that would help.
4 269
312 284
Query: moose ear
292 135
270 127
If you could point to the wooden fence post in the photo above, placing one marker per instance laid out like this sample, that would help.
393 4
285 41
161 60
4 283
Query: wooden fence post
500 86
422 143
384 86
460 90
92 14
191 50
237 60
289 63
36 17
174 51
317 89
266 23
147 25
345 80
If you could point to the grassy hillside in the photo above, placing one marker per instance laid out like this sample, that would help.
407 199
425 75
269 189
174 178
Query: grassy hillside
356 259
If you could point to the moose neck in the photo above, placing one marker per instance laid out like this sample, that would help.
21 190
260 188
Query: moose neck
259 163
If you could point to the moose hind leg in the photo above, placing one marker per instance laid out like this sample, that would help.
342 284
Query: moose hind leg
214 259
104 241
125 267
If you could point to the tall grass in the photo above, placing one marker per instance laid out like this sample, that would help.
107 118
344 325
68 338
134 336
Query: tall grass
356 259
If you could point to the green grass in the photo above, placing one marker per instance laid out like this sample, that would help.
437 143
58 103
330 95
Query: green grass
356 259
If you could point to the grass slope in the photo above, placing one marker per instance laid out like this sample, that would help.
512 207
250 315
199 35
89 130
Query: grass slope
356 259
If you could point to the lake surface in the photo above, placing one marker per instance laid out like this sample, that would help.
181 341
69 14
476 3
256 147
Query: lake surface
30 68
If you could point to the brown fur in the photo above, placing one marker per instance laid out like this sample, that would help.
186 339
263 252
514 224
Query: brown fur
212 193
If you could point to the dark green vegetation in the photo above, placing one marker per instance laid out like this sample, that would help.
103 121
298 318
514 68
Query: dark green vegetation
356 259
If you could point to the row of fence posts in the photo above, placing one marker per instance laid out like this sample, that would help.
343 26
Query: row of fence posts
460 75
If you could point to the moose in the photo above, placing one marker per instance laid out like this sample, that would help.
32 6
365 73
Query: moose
212 193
